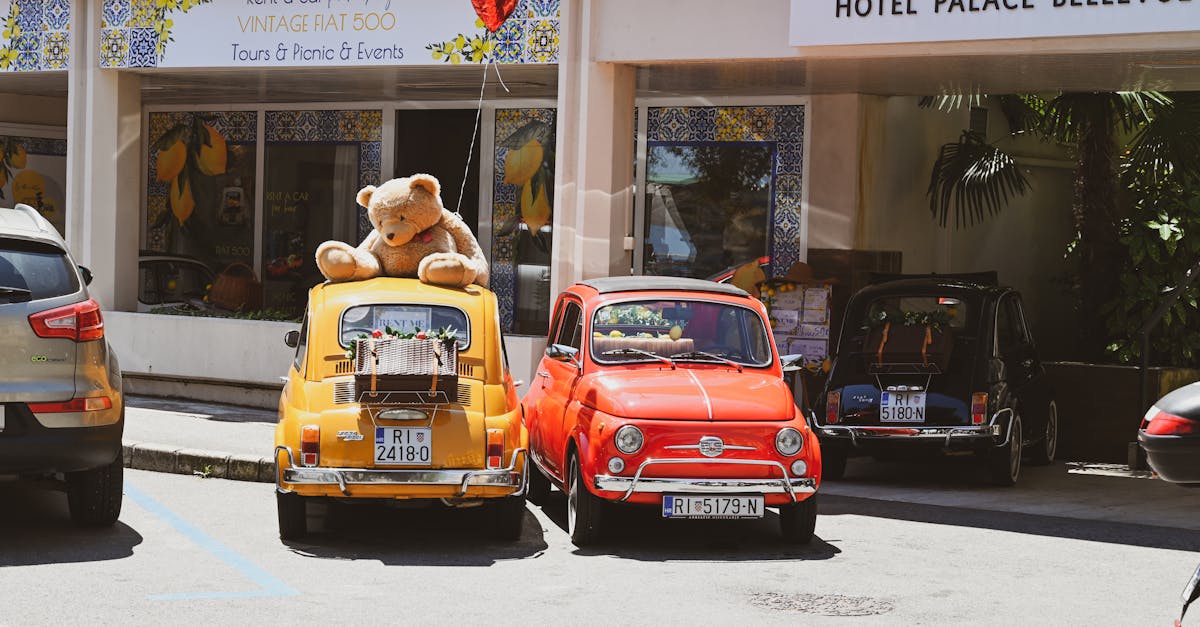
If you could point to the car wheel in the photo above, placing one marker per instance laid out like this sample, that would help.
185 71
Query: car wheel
833 464
1004 463
584 509
293 515
1047 447
538 490
508 518
797 521
94 496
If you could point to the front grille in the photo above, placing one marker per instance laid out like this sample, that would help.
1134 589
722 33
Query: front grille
344 392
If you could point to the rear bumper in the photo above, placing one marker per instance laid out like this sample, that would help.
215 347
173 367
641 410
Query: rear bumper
346 479
1175 458
637 484
30 448
995 433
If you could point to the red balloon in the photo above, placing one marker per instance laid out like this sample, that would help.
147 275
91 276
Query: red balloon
494 12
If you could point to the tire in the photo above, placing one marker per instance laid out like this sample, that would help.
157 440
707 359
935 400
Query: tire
1004 464
539 486
1047 446
94 496
507 518
833 464
798 521
293 516
584 509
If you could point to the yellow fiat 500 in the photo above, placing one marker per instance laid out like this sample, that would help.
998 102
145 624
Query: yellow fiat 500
400 390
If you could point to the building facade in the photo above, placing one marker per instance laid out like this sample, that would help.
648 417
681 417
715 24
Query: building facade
192 145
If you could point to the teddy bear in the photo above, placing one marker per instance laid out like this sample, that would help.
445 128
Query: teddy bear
414 235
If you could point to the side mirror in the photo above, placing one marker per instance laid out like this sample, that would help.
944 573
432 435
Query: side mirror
1190 593
563 353
792 363
292 338
86 274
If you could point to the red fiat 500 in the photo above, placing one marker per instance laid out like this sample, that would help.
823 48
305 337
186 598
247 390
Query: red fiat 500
668 392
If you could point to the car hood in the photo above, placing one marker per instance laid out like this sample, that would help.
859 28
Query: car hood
702 394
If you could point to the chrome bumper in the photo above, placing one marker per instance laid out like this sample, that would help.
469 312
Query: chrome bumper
345 477
990 431
658 485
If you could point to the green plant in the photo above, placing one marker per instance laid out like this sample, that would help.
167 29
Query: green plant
1162 242
256 314
444 335
934 318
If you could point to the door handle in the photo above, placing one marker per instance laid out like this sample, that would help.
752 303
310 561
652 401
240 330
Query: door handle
543 373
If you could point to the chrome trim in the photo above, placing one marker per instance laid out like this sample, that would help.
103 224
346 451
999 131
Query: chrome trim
696 447
990 430
783 485
497 477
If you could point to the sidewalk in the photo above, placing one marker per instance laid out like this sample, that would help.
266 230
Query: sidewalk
229 442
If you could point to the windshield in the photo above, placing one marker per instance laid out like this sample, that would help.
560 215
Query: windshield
681 330
407 318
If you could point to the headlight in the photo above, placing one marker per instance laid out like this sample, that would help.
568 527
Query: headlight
788 441
628 439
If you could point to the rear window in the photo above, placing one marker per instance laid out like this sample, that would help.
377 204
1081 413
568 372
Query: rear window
406 318
949 311
42 269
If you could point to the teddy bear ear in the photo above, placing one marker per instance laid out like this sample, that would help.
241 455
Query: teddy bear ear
427 182
364 195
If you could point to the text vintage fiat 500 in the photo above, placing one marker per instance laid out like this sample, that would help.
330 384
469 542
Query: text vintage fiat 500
668 392
400 390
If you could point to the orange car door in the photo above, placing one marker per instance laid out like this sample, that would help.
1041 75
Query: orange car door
557 375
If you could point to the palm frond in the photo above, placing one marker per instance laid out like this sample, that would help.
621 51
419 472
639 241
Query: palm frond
950 101
1068 115
1168 145
975 178
1023 112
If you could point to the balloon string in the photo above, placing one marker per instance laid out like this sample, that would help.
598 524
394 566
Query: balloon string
462 190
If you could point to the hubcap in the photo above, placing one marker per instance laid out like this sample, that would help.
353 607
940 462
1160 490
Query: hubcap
572 498
1052 431
1014 449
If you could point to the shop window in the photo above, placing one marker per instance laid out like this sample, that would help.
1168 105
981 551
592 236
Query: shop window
708 206
199 199
439 142
32 172
522 215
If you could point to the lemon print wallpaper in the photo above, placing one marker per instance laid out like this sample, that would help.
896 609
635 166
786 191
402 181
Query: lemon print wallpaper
36 35
32 171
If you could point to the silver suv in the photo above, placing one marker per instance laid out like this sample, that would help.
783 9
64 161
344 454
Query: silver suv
61 408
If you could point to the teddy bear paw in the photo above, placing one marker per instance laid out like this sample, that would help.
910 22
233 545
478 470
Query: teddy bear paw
446 269
336 262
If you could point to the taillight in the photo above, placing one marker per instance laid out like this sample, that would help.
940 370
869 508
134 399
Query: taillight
310 445
978 408
80 322
1162 423
833 407
495 447
75 405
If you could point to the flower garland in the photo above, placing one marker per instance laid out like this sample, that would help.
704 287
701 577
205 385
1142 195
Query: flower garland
934 319
444 334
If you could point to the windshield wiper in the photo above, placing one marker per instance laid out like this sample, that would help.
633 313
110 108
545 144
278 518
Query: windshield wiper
695 354
638 351
15 291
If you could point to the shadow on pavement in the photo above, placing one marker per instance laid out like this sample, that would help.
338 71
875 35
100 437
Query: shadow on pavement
1034 524
412 536
208 411
641 533
36 529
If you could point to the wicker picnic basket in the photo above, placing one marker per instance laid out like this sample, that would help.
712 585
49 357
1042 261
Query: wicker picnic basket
407 365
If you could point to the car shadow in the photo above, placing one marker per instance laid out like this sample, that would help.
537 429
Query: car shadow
209 411
412 536
36 529
1131 534
640 533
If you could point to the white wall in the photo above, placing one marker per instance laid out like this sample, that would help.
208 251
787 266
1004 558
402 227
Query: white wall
1025 243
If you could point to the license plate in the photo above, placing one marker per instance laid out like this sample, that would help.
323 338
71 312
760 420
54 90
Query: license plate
712 506
403 446
902 407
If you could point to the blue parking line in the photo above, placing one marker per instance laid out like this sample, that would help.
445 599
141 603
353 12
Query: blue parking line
268 584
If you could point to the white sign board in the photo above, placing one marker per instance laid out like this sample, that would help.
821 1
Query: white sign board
862 22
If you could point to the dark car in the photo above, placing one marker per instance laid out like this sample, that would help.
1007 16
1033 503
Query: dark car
61 407
934 365
1170 435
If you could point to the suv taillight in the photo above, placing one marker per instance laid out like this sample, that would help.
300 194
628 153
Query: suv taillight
1162 423
75 405
80 322
833 407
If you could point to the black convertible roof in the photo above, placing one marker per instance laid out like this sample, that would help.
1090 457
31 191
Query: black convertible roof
613 284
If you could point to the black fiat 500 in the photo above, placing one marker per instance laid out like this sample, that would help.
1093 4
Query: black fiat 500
933 365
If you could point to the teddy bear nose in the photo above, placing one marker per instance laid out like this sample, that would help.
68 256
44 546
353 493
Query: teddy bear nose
391 236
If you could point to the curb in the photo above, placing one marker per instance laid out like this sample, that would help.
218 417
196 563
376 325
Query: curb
208 464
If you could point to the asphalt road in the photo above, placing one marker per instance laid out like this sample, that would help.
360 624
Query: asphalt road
189 550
